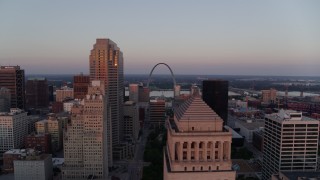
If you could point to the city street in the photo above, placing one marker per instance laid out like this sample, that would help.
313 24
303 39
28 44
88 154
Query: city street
135 166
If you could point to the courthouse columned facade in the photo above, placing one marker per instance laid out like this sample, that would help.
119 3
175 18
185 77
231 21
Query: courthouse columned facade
198 147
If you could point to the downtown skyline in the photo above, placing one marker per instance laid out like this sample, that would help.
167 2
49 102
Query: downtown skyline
223 38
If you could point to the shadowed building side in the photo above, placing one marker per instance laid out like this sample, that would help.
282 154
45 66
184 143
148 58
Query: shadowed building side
215 94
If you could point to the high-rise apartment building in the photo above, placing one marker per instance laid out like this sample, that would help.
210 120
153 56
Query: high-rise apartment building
13 129
269 96
106 64
12 77
37 93
5 99
85 140
290 143
198 146
215 94
80 86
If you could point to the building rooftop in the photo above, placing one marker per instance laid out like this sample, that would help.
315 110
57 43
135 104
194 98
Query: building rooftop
129 103
234 133
28 154
288 115
195 109
37 79
15 151
301 174
13 111
10 67
57 161
251 124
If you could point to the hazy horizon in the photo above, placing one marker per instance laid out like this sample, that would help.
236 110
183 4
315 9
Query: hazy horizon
278 38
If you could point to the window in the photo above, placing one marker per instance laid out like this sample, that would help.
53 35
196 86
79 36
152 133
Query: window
185 144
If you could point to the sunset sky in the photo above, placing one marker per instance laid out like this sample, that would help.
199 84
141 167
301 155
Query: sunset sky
194 37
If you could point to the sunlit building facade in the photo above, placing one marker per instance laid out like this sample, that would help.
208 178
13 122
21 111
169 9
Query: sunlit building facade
85 140
106 64
198 147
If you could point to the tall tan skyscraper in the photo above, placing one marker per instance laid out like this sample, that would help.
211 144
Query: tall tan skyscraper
85 144
106 64
198 147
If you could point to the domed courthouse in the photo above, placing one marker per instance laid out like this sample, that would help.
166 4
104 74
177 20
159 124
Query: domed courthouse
198 147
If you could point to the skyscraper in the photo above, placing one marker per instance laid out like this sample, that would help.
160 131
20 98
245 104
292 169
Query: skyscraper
5 99
12 77
85 143
215 94
290 143
106 64
37 93
198 147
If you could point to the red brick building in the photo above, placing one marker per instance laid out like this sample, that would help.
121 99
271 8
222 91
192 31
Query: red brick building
80 86
40 142
9 157
57 107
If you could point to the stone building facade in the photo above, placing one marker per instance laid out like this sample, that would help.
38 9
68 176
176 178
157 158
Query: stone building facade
198 147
